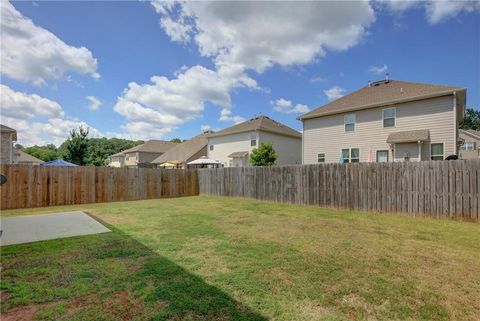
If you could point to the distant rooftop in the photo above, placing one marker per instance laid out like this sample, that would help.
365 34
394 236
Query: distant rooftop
262 123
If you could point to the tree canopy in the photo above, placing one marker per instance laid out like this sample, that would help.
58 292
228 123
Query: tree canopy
264 155
471 120
97 150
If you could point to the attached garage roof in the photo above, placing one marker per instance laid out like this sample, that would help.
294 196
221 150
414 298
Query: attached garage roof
409 136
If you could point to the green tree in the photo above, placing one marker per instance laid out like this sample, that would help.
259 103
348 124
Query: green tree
76 146
42 152
19 146
176 140
471 120
264 155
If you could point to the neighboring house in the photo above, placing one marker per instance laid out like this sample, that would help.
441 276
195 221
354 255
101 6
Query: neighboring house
386 121
185 152
232 146
141 155
8 136
22 158
116 160
470 148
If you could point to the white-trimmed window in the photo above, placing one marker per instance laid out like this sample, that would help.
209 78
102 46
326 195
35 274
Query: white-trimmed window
468 146
351 155
382 156
389 115
349 121
321 157
253 139
211 147
436 151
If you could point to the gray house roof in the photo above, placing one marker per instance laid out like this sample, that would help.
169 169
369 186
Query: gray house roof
262 123
6 129
381 93
420 135
151 146
21 158
183 151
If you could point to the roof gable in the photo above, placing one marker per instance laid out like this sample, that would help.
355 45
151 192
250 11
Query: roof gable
380 93
261 123
183 151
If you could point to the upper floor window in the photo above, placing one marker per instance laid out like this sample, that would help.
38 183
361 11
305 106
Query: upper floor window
211 147
321 157
436 151
349 120
389 115
253 139
351 155
468 146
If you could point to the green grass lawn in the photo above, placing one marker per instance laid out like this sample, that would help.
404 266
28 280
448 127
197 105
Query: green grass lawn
210 258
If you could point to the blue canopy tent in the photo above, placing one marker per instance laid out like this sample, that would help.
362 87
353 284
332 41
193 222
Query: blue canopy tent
58 162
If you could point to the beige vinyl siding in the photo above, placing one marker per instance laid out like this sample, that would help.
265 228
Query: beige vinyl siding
327 135
131 159
226 145
289 149
6 155
470 154
116 161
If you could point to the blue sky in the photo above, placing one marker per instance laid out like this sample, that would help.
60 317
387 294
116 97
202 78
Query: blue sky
215 65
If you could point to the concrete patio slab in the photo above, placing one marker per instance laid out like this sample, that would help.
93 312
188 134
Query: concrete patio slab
32 228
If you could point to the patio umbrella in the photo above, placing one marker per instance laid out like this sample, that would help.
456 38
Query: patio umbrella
58 162
341 160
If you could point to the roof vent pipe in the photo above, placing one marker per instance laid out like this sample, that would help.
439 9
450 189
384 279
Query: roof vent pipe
386 78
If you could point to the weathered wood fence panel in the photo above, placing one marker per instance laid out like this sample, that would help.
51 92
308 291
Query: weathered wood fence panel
38 186
448 189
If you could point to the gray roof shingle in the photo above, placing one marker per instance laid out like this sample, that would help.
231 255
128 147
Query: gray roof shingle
379 93
262 123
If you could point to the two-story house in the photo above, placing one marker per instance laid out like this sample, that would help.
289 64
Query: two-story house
140 155
232 146
8 136
386 121
470 148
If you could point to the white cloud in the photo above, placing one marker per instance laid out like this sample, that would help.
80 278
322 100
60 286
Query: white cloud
285 106
378 70
33 54
334 93
318 79
239 37
154 109
257 35
94 102
226 115
435 11
38 120
23 106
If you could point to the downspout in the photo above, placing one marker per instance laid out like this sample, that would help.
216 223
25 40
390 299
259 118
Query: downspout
455 123
303 140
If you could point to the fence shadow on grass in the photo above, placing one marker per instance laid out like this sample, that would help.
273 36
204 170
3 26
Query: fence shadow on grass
150 286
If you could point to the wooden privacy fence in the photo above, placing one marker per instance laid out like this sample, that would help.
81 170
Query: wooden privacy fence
442 189
37 186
